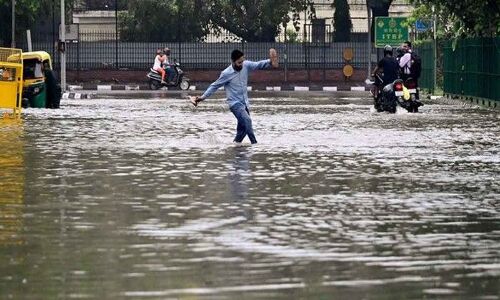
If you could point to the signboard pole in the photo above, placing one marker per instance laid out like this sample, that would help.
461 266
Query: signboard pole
63 51
435 46
369 42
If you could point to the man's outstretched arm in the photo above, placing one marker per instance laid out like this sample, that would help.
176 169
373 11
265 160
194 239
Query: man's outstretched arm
221 81
272 61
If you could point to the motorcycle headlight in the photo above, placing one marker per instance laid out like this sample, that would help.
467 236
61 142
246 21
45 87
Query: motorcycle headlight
36 90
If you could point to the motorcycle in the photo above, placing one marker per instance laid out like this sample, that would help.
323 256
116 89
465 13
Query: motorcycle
414 102
397 93
180 80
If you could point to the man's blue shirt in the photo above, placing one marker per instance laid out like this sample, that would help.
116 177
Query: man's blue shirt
235 83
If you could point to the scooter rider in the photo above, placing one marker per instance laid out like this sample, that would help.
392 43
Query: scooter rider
168 67
157 66
388 66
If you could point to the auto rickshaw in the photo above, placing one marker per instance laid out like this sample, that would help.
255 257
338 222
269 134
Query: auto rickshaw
40 88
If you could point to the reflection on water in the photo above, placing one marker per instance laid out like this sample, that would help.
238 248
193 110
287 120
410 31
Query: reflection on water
149 199
11 181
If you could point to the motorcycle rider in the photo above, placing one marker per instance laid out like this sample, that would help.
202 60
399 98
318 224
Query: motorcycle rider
157 66
389 66
168 67
410 64
405 60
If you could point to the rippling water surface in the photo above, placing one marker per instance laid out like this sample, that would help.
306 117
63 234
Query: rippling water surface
149 199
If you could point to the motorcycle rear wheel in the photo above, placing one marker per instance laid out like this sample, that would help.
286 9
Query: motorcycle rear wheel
154 85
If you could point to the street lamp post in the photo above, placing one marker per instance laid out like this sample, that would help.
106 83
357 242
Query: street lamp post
13 38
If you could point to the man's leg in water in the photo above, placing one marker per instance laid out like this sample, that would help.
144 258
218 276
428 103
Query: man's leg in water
249 127
244 124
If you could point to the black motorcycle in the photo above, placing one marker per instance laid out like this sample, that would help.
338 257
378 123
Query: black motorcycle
392 95
179 80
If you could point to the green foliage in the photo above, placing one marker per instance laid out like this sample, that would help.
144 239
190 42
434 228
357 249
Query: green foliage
174 20
164 20
292 36
256 20
28 13
25 13
342 21
190 20
462 18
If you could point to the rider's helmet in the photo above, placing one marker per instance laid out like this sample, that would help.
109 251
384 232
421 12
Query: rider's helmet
388 49
166 50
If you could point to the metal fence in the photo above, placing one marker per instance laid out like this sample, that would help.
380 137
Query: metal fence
426 52
473 68
101 50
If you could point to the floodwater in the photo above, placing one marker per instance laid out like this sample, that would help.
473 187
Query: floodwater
149 199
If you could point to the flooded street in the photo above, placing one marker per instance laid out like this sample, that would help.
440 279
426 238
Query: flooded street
149 199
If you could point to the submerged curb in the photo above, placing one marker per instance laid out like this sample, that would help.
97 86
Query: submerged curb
74 93
66 96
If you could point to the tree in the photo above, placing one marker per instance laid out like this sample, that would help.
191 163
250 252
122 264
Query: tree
379 8
466 17
164 20
25 13
342 21
29 13
256 20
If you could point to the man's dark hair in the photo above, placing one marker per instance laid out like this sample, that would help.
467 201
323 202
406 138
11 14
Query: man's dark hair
236 54
408 43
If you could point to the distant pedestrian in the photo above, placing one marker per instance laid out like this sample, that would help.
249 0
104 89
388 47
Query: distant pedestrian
234 79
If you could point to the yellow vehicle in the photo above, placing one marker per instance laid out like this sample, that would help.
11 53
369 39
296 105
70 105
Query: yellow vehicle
11 78
40 88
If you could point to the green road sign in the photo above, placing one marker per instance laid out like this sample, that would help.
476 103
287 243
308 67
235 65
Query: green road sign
390 31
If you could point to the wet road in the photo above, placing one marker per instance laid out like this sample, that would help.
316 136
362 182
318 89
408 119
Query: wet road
149 199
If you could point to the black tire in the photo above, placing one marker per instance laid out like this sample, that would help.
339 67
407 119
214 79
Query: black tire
154 85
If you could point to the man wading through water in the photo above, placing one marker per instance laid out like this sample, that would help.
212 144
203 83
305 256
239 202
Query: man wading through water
234 79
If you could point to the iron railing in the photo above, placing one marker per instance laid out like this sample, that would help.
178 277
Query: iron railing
100 50
472 68
426 52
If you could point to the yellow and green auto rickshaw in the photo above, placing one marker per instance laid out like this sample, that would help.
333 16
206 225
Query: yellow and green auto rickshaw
40 87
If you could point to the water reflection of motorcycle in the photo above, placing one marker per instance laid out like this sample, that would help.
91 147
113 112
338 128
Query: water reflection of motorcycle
397 93
179 79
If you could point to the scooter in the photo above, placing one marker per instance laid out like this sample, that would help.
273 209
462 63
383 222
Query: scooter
397 93
179 80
